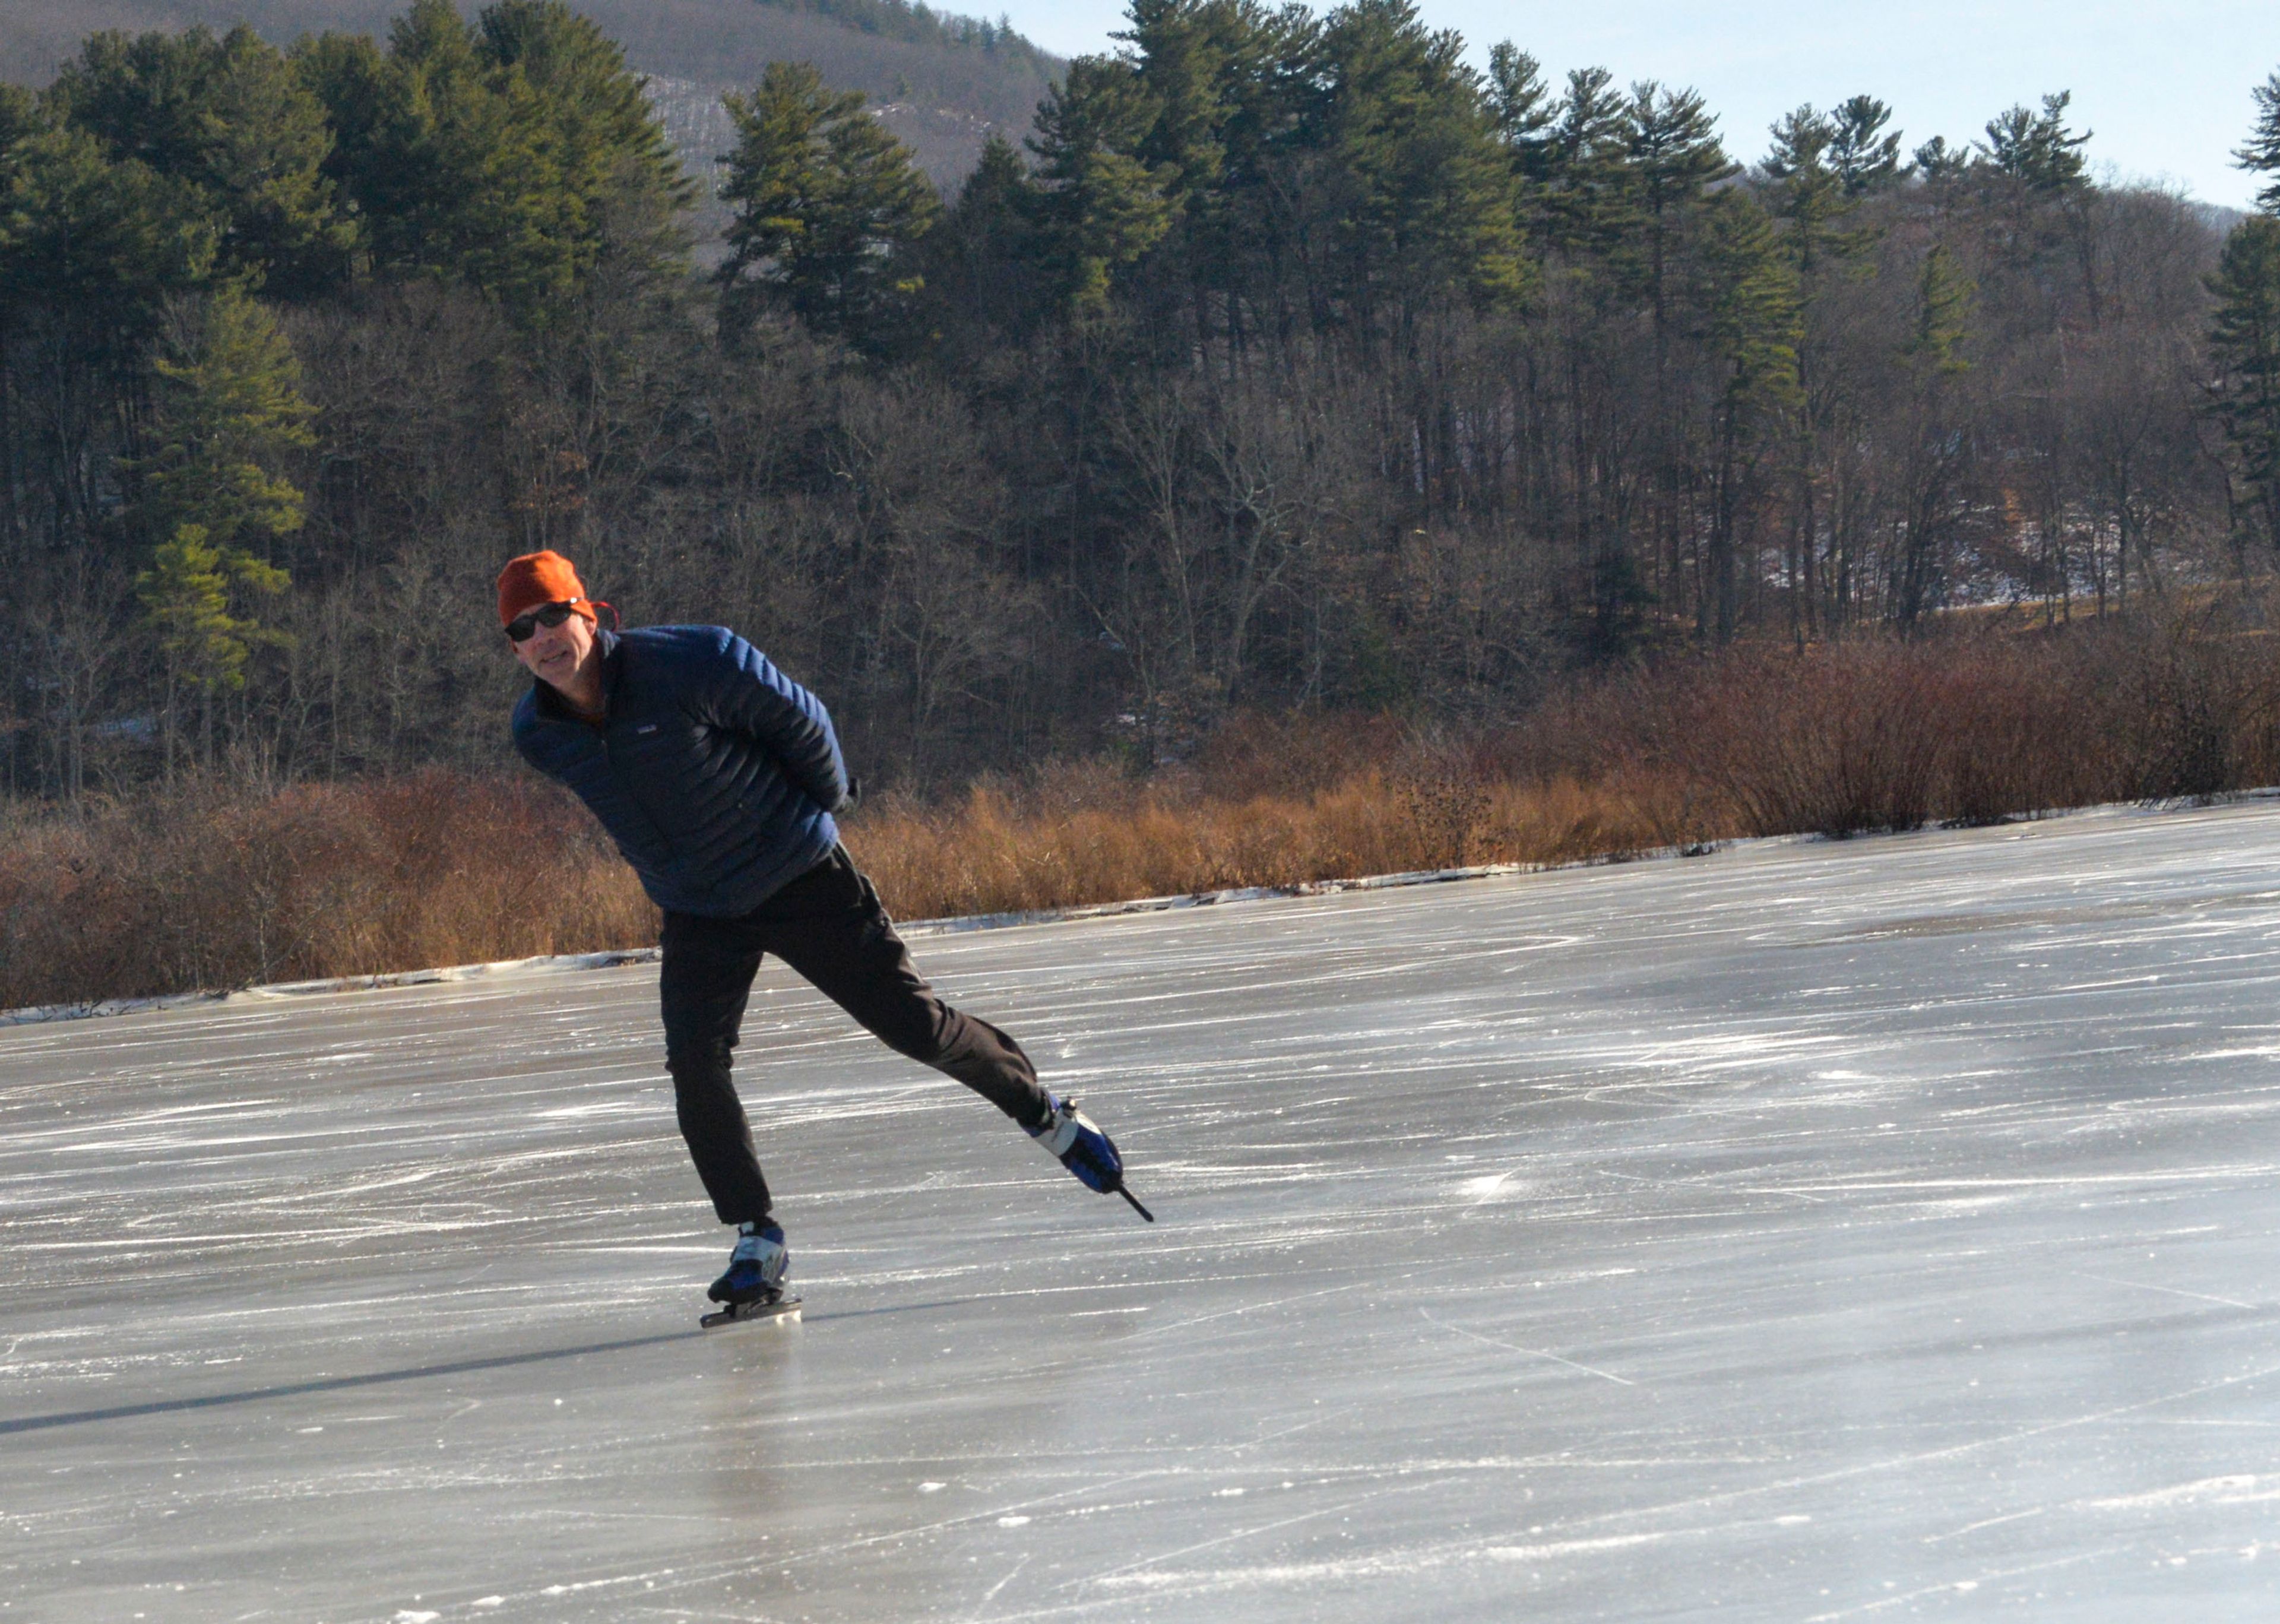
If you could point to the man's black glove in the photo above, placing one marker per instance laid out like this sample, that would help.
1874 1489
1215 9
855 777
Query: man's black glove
854 794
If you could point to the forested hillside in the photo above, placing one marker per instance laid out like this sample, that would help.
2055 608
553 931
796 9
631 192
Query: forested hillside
942 83
1287 364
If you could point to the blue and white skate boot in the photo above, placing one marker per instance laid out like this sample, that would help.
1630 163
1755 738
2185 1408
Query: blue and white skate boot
756 1268
1082 1148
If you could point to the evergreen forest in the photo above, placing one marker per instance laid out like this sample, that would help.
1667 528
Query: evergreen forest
941 82
1289 364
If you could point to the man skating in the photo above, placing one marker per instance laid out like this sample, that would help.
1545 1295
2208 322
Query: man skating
717 775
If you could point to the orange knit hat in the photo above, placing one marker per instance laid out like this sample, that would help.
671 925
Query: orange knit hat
537 579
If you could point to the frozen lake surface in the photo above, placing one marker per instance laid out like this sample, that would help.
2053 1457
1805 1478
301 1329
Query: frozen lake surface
1881 1230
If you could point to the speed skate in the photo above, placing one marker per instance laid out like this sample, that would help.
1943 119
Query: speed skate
785 1309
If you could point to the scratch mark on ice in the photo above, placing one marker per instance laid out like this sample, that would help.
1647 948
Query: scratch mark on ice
2198 1297
1589 1370
991 1594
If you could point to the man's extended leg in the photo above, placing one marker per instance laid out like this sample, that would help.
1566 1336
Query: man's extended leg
828 925
703 984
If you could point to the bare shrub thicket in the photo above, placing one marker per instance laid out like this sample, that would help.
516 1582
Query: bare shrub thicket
1846 738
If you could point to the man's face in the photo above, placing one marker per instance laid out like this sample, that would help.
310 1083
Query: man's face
557 654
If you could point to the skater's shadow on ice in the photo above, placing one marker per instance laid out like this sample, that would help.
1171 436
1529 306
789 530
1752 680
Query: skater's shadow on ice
333 1384
889 1308
380 1378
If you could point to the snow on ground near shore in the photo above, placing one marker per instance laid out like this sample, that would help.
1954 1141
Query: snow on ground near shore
1805 1232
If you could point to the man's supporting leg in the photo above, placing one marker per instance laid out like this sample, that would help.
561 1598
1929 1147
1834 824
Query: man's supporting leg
828 925
703 983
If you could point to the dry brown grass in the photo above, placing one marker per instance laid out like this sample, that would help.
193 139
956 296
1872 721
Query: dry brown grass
992 853
213 886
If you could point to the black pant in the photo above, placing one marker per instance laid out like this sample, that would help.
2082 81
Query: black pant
827 925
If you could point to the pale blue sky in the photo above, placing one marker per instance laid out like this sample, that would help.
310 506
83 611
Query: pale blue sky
2164 86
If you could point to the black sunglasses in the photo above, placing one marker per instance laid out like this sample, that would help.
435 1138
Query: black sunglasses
548 615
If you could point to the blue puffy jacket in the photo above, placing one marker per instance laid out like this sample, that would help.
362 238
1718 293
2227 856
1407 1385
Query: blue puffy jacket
716 773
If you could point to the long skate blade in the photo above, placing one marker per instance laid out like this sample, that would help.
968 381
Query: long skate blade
1134 1200
783 1308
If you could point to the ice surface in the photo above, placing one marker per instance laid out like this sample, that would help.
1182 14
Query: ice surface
1808 1231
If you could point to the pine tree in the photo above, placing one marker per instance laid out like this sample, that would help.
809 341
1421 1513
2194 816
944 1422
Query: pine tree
1937 447
2245 343
1671 139
1588 206
184 592
379 106
884 206
2045 200
994 190
213 494
1671 143
2261 153
460 178
1824 166
96 242
1525 113
513 154
614 161
1808 192
829 208
1938 162
1866 159
1099 208
229 413
1674 156
1218 78
229 118
1943 314
1430 193
19 120
1181 47
1747 298
1526 124
2036 150
979 271
353 84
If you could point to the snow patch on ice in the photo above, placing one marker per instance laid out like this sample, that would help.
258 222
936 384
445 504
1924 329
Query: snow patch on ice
1496 1186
